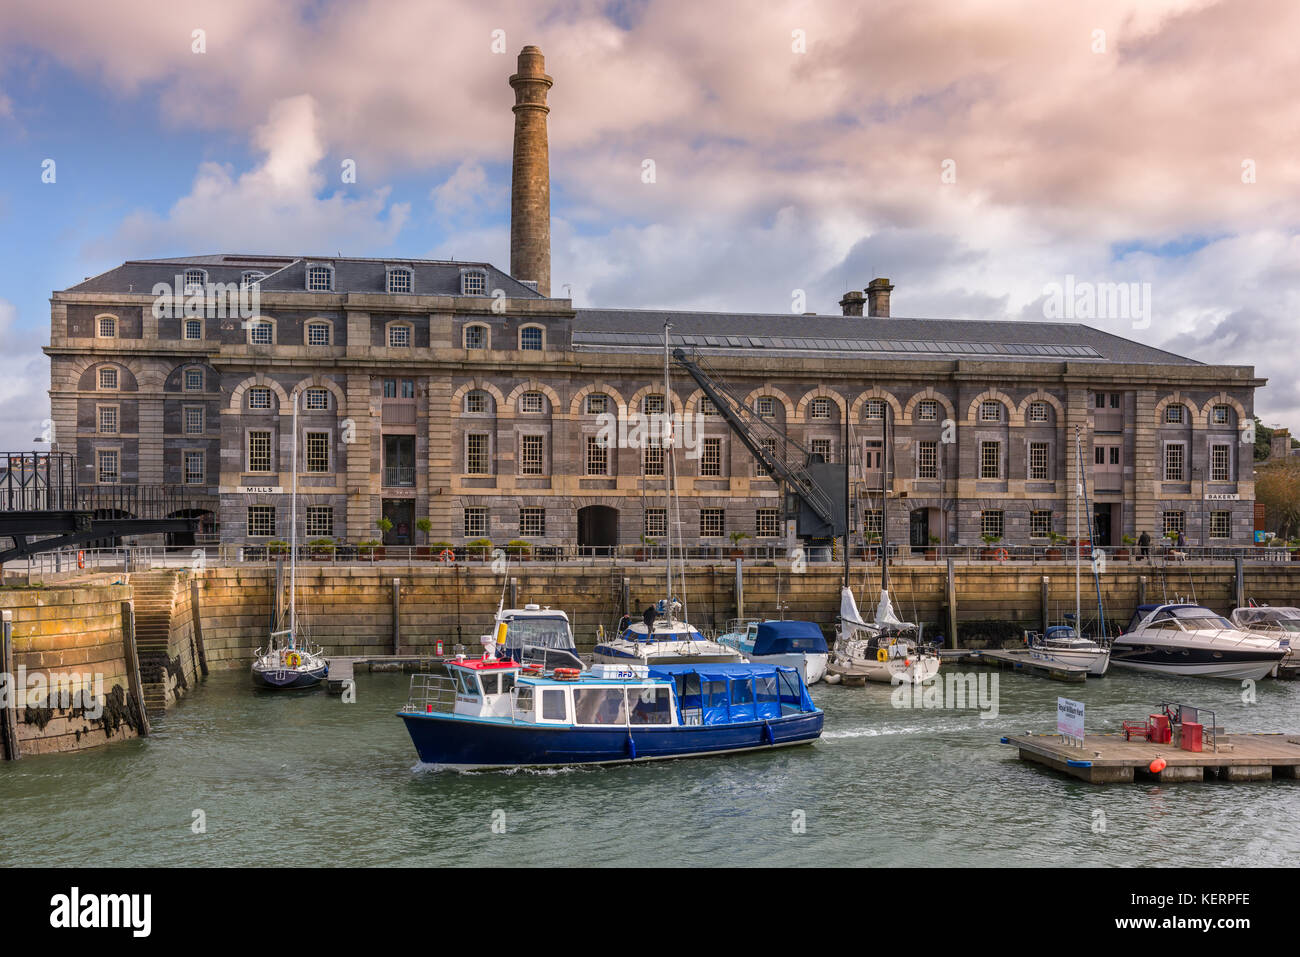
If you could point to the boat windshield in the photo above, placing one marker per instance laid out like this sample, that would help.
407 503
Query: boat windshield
538 633
1205 622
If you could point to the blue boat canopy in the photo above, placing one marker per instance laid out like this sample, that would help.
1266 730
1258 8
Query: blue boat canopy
725 694
789 637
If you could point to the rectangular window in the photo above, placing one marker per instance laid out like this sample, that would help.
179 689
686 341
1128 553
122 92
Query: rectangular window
1038 412
476 402
108 420
1174 414
1040 523
873 521
399 337
597 456
476 454
390 388
927 410
530 455
475 337
765 406
259 398
317 400
873 410
707 407
990 411
193 328
991 523
1220 525
195 468
193 380
261 333
399 280
476 521
711 457
1219 463
318 334
107 327
821 447
193 420
1174 522
652 404
108 378
1038 461
1174 462
530 339
320 521
599 706
652 460
109 470
1099 399
597 404
259 451
318 451
767 523
927 460
473 283
820 408
532 521
530 402
990 460
656 522
261 521
320 279
712 522
1220 415
554 707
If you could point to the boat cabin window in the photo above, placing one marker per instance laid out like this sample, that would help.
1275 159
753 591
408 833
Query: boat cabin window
742 691
688 697
465 683
715 694
650 705
490 683
538 633
599 706
507 682
765 690
790 692
553 705
524 698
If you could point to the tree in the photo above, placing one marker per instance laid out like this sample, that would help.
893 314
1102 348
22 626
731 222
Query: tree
1277 488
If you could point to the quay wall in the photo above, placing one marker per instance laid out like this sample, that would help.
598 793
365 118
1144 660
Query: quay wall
61 634
349 609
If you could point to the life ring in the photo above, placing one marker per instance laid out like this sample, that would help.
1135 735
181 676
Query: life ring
293 659
566 674
882 654
1001 555
81 559
533 669
446 555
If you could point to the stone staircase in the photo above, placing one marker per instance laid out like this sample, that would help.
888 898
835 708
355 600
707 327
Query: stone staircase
154 596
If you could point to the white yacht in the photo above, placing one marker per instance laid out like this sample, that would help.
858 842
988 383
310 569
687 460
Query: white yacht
1064 646
1277 622
663 639
1182 639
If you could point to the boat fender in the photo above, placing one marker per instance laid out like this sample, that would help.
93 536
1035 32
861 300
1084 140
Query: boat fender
1157 765
631 746
768 737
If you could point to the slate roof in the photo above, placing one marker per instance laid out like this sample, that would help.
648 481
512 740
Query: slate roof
289 273
722 333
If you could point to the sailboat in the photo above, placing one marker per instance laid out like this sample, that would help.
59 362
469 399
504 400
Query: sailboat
663 636
1066 644
887 650
290 661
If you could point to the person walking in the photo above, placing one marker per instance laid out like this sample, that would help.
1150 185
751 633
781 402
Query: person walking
1144 546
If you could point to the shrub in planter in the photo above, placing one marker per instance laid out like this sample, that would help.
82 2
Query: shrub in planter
989 551
424 525
367 549
322 549
642 553
1127 542
435 550
736 539
277 547
480 549
519 549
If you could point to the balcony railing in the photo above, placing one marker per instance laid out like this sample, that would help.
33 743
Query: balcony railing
399 476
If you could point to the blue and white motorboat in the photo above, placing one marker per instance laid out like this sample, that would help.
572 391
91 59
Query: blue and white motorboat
661 639
490 713
538 635
795 644
1190 640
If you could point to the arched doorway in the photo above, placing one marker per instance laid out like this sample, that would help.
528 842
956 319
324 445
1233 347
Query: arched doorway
207 529
597 527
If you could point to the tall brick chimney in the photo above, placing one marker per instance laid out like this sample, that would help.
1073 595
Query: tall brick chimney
530 192
878 291
851 304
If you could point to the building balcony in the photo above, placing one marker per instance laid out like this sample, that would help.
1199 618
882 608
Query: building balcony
399 477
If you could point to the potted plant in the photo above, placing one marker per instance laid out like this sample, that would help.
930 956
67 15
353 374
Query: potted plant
322 549
385 526
641 553
277 547
520 549
1294 546
932 553
736 539
480 549
989 542
1127 542
366 549
425 550
1054 550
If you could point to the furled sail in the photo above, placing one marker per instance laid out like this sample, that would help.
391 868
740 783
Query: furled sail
849 608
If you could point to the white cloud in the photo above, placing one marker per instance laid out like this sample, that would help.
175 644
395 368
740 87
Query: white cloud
24 381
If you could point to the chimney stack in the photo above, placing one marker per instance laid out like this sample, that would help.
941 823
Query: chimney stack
878 291
530 185
1280 447
851 304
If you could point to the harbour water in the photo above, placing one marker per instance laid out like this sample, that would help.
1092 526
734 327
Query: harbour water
306 779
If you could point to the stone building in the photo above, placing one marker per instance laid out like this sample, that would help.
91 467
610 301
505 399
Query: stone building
456 392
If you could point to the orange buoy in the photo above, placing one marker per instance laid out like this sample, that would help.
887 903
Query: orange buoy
1157 765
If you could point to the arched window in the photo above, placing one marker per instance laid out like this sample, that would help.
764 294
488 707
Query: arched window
653 404
259 398
317 400
320 278
1038 412
1175 414
532 339
927 410
597 403
820 408
477 336
532 403
873 410
400 279
251 277
991 410
1222 415
106 327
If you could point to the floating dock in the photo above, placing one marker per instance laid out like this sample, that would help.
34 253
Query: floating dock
1107 758
1026 662
343 669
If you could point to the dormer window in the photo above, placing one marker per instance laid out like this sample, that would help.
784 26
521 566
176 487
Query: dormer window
400 279
251 278
320 278
196 281
473 282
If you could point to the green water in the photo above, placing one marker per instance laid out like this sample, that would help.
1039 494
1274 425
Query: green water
306 779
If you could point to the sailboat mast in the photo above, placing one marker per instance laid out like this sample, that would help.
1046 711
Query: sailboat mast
293 533
1078 546
884 506
847 497
668 505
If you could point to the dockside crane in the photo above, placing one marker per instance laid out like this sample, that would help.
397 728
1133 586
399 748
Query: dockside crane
816 490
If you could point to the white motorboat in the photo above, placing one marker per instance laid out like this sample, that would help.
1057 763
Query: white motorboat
1064 646
1277 622
663 639
796 644
1184 639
